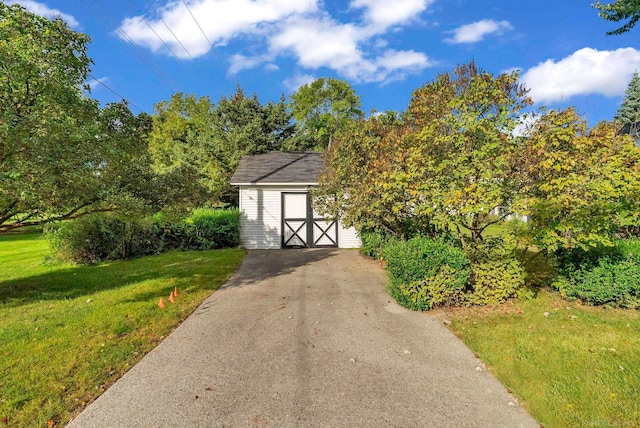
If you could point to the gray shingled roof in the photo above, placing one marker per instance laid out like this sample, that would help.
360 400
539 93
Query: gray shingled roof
278 167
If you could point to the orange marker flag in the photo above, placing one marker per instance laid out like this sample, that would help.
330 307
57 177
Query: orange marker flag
171 298
175 292
161 303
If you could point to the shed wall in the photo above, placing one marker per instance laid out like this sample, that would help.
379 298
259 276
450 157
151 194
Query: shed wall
261 218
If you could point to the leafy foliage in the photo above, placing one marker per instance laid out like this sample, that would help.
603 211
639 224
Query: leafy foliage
629 111
611 283
447 163
426 272
208 140
366 181
579 187
602 276
101 237
204 229
459 161
373 242
620 10
61 156
497 275
321 108
46 153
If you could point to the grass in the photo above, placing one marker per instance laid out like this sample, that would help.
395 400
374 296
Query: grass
569 365
68 332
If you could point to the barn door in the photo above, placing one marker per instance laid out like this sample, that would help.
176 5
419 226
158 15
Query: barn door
325 232
302 227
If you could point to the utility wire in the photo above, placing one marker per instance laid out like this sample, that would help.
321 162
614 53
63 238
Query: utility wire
204 34
117 94
145 59
202 71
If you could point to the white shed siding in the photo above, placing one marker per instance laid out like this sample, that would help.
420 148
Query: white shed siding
261 218
261 221
348 238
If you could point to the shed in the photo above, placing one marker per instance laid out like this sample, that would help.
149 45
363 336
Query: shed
275 204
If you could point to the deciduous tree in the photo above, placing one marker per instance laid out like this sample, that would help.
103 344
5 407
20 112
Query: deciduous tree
209 140
48 152
580 185
446 164
320 109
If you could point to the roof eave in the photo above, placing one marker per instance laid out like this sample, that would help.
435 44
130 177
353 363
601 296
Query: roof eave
274 184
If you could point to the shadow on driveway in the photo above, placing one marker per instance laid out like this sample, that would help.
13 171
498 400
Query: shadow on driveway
307 338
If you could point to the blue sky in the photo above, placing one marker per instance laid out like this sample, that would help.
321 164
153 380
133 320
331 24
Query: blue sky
146 50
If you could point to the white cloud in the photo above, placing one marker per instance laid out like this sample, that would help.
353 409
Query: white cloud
475 32
45 11
298 29
586 71
94 83
240 62
297 80
271 67
224 19
317 43
326 43
385 13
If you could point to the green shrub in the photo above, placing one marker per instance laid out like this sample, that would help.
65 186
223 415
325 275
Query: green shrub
609 276
570 260
204 229
497 275
373 242
102 237
425 272
610 283
107 237
446 288
495 281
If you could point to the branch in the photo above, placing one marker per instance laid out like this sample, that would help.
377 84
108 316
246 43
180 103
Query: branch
8 212
73 214
495 221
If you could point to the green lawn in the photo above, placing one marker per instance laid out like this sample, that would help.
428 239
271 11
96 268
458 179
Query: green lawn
570 365
67 332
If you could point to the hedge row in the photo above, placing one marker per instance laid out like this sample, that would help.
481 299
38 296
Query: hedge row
425 273
107 237
608 276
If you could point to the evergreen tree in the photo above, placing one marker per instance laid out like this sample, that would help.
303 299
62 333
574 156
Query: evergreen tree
629 110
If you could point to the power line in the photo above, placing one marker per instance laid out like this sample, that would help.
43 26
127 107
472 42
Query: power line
142 57
203 33
117 94
202 71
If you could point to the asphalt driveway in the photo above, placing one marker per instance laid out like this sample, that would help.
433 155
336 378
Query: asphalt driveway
307 338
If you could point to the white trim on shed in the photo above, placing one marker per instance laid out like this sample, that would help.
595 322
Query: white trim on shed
262 180
261 218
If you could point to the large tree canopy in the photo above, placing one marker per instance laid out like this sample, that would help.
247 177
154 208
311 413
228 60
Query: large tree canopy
321 108
579 186
61 156
454 158
47 127
208 140
447 163
620 10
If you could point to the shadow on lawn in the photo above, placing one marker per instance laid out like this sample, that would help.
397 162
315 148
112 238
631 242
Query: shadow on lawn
84 280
